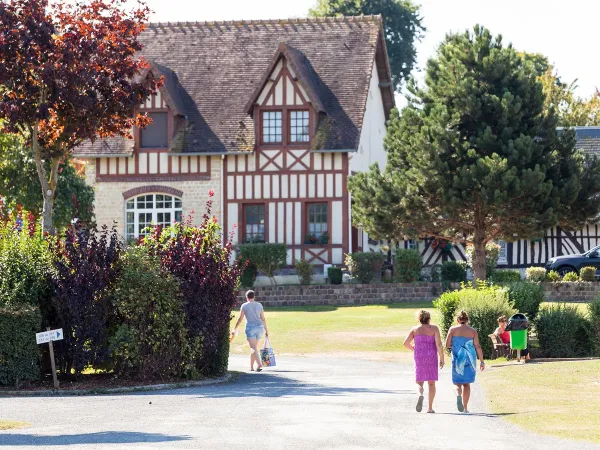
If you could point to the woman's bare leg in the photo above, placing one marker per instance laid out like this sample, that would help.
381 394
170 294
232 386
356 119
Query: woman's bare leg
254 356
420 387
466 396
431 394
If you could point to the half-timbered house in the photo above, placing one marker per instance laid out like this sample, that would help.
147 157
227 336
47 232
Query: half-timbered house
273 116
522 252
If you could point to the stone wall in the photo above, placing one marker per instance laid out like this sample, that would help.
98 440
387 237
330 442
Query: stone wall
345 294
571 292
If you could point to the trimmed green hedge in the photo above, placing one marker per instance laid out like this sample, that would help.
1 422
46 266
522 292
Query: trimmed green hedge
407 265
335 275
505 276
364 265
19 353
564 332
454 272
268 258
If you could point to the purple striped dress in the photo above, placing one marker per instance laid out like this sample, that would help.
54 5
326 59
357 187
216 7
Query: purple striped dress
426 358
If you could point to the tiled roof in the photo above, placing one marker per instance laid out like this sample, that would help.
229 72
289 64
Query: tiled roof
588 139
218 66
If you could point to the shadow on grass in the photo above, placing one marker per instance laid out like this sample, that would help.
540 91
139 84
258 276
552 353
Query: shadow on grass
317 308
105 437
411 305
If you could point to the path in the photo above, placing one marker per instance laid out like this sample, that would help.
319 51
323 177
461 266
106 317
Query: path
306 403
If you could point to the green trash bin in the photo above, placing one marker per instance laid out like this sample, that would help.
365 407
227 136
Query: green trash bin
517 327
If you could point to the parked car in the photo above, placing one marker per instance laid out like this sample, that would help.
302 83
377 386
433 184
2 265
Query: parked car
573 263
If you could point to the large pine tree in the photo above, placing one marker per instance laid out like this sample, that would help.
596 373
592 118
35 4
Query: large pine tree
475 156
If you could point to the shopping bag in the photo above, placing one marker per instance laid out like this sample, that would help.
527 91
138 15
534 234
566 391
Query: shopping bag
267 355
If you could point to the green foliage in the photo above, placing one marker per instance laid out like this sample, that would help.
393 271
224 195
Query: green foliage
150 339
526 297
492 253
19 353
407 265
594 315
335 275
249 275
563 332
536 274
25 262
446 305
570 277
454 272
505 276
587 274
484 305
401 22
478 125
436 273
553 276
268 258
364 265
305 271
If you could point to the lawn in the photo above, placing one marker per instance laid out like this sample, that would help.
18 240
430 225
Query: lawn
337 329
11 425
557 398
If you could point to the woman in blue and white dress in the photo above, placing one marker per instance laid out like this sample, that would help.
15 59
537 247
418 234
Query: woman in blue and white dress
463 340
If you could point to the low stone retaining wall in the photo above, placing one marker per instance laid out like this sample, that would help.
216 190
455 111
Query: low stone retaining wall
571 292
346 294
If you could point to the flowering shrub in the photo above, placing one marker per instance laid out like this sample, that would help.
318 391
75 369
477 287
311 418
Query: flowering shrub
86 264
208 283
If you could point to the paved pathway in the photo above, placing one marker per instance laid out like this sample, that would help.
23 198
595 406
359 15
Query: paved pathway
306 403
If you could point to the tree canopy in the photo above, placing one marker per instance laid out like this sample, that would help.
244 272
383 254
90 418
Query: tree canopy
476 156
402 27
69 73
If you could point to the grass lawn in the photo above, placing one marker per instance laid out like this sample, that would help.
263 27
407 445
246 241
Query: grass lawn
337 329
11 425
557 398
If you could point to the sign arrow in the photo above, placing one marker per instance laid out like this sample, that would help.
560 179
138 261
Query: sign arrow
57 334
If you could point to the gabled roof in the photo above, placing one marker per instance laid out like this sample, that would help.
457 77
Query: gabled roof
588 140
219 66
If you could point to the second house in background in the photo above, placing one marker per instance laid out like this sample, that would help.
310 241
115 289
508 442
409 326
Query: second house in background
271 115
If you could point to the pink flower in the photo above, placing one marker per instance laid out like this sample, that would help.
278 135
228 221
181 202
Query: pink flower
211 193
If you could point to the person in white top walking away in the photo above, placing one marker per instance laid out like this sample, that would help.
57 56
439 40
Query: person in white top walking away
256 326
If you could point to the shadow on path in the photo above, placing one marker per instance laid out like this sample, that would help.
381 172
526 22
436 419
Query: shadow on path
498 415
105 437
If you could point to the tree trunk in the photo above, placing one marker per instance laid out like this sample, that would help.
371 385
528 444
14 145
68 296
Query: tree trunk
47 223
479 265
48 182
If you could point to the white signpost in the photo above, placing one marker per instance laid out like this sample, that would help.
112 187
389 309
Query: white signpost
46 337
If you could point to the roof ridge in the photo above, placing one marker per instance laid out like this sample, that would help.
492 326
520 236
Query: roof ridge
317 20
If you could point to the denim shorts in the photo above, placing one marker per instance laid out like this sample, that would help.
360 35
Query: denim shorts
254 331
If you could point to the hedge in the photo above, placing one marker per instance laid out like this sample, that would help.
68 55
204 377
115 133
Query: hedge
505 276
526 297
364 266
19 353
268 258
563 332
454 272
407 265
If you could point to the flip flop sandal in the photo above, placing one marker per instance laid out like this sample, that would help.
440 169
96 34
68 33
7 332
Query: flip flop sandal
459 403
420 403
430 412
259 369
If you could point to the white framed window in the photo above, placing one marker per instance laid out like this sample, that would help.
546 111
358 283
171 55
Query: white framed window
271 126
412 244
146 210
299 130
502 255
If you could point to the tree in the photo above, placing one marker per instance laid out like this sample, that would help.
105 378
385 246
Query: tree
19 184
69 73
475 156
401 22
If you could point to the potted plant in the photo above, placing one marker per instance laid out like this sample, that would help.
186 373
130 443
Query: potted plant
310 239
325 238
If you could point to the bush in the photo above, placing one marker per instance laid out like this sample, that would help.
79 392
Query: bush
484 305
268 258
208 282
86 264
407 265
305 271
335 275
563 332
150 339
587 274
505 276
364 265
25 263
553 276
19 354
535 274
436 273
454 272
570 277
594 315
526 297
249 275
446 305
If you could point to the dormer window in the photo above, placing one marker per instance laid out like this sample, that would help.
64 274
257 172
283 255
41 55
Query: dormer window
156 135
299 126
271 127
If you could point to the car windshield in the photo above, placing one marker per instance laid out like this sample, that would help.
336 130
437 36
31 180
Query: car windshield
593 250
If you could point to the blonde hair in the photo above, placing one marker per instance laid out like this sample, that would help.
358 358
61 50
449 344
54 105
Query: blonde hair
502 319
424 317
462 317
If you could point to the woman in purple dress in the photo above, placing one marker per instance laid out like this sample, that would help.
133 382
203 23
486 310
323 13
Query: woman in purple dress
427 347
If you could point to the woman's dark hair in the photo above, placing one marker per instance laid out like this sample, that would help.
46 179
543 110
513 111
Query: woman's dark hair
502 319
462 317
424 317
